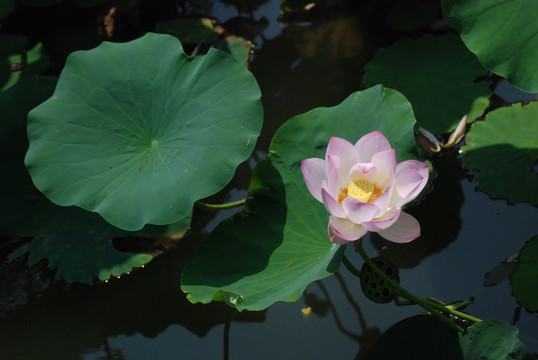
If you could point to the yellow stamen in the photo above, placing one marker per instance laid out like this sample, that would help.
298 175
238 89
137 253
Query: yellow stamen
362 190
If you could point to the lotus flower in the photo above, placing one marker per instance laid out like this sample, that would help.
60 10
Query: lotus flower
364 189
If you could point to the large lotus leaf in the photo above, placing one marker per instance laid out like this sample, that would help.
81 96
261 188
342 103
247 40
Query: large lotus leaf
139 131
502 33
495 340
417 337
524 280
279 244
503 149
437 75
75 241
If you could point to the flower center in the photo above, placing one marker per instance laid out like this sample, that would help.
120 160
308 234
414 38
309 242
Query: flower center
362 190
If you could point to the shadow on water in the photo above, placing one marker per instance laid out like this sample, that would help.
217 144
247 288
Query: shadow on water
439 210
64 322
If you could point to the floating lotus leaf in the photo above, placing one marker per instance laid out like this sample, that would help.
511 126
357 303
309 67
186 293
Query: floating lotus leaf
437 75
75 242
504 151
139 131
493 339
279 244
502 33
524 279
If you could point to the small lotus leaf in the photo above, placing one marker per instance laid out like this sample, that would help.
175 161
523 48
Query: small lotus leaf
493 339
503 149
502 33
437 75
279 244
139 131
524 280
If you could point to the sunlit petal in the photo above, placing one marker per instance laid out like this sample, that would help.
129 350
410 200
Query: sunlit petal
404 230
332 205
383 222
359 212
385 164
314 174
370 144
345 229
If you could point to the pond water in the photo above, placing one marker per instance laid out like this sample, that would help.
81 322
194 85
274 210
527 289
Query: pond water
144 315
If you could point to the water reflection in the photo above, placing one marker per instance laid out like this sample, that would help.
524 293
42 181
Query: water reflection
321 307
64 322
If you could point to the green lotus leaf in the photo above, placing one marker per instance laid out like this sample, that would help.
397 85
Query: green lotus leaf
26 63
493 339
417 337
11 50
238 47
503 149
74 241
437 75
502 33
524 279
139 131
271 251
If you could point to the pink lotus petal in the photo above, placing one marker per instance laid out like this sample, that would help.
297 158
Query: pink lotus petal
385 164
370 144
359 212
407 183
382 222
411 178
313 170
332 205
404 230
335 239
345 229
361 171
333 174
383 201
344 150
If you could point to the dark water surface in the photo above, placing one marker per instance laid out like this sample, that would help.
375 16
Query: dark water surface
144 315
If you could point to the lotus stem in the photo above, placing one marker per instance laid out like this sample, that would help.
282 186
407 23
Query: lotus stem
229 205
352 269
427 305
